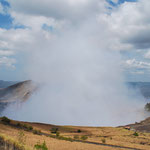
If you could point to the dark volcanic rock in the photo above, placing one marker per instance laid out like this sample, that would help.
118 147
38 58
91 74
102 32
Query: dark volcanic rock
143 126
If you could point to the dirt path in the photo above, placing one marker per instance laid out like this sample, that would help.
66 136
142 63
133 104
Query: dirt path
95 143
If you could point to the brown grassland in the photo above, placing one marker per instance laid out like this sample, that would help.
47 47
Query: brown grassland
73 137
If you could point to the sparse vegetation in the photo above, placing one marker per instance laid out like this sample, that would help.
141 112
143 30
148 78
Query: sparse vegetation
38 132
42 146
76 137
54 130
79 131
11 143
24 126
84 137
103 141
57 134
135 134
61 137
21 137
103 135
18 124
30 128
65 138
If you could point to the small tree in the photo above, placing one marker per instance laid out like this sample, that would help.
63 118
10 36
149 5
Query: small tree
79 131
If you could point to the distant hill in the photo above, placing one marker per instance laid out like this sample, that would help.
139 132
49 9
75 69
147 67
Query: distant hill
143 87
4 84
143 126
18 92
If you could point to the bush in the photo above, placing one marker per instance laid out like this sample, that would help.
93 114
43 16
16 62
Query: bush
65 138
135 134
38 132
30 128
79 131
84 137
54 130
18 125
103 141
25 126
5 120
39 146
76 137
57 134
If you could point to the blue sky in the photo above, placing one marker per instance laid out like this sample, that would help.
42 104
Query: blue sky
13 66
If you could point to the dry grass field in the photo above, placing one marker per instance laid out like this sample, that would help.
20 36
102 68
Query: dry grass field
73 137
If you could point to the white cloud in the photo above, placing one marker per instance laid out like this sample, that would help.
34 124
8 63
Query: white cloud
131 24
7 62
128 25
133 63
73 10
147 55
6 52
15 40
137 72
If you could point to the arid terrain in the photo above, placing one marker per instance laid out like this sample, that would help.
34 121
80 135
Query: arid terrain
25 135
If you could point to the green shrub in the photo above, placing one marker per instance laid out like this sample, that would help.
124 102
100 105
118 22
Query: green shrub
30 128
54 130
18 124
5 120
42 146
57 134
25 126
84 137
79 131
76 137
135 134
65 138
103 141
38 132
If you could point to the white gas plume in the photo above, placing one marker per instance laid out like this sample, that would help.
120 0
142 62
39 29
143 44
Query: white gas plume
81 75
